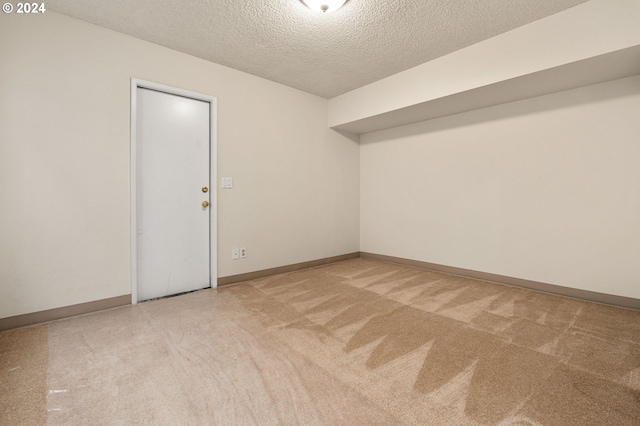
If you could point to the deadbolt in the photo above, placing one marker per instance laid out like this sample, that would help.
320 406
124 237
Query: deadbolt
205 204
205 189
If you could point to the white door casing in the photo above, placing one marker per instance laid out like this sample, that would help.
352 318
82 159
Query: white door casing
172 158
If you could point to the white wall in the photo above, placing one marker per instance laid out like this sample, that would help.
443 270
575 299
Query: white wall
64 163
545 189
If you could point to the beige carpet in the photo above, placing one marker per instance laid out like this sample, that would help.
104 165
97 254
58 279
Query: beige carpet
356 342
24 358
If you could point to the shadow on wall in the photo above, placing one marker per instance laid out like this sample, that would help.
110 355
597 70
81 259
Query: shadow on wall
600 92
353 137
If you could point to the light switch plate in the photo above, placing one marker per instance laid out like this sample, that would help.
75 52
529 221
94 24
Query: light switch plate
227 183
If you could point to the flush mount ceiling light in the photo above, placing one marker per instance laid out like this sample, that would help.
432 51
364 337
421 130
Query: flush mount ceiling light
324 6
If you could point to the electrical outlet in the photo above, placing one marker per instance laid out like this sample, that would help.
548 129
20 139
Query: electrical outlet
243 253
235 254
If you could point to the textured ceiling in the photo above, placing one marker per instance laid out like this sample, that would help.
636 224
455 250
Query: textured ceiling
284 41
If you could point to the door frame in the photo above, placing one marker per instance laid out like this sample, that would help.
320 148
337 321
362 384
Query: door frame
213 173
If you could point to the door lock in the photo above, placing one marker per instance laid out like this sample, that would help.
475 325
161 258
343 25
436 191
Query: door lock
205 204
205 189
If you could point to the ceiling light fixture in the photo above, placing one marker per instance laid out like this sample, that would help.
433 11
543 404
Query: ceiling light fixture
324 6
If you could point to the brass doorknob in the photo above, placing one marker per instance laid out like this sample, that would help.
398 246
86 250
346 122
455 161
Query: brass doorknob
205 204
205 189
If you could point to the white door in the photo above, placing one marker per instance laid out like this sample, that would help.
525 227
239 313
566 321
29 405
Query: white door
172 194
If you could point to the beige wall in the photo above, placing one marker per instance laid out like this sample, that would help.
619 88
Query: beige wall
545 189
64 163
